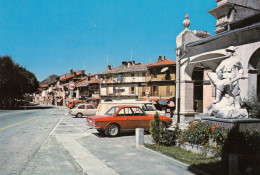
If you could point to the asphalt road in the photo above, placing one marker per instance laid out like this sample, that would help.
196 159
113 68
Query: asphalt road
22 133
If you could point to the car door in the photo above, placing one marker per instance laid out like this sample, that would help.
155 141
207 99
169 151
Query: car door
129 118
81 109
91 110
142 118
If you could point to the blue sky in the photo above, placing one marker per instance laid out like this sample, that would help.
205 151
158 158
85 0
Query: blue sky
51 36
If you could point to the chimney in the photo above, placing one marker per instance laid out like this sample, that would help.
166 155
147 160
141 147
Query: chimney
133 62
71 71
129 63
160 58
109 67
164 57
124 63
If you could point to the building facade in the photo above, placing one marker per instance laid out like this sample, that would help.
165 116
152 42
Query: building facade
238 24
123 82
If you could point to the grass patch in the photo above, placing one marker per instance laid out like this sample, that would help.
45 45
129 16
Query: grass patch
209 165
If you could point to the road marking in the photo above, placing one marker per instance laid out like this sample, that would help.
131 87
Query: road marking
18 123
55 127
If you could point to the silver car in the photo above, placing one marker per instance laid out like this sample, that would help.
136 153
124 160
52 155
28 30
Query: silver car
83 109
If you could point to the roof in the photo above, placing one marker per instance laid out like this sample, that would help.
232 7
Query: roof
67 77
221 10
44 85
124 106
123 69
163 63
93 81
82 83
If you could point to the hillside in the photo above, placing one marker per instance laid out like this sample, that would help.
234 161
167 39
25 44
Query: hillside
50 79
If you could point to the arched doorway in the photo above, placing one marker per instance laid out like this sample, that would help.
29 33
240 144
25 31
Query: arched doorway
197 68
254 74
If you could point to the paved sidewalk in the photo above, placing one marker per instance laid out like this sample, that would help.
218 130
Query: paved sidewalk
97 154
52 159
74 148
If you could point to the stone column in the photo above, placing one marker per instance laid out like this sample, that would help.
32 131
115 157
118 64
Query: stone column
187 101
64 98
77 94
139 136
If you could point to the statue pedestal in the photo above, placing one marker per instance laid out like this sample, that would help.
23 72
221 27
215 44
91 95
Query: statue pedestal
243 124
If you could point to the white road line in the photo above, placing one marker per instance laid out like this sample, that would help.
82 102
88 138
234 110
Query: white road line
55 127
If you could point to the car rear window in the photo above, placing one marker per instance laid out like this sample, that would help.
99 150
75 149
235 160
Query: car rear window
138 112
112 111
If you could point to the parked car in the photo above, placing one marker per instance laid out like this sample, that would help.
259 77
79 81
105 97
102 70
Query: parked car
83 109
120 118
74 103
147 106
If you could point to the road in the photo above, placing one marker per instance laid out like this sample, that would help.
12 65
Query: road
22 133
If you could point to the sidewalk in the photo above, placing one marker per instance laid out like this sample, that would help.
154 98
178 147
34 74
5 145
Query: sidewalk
100 155
73 148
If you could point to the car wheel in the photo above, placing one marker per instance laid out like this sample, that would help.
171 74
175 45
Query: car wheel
79 115
112 130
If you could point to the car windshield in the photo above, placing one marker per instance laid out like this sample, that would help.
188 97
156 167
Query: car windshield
149 107
112 111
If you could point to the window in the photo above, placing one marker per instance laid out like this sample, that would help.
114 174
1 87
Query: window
125 112
149 107
168 90
154 90
155 73
143 74
132 74
90 107
132 90
81 107
112 111
138 112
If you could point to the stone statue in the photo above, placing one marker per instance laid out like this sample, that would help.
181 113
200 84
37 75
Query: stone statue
228 100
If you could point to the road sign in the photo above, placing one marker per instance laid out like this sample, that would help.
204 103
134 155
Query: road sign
72 86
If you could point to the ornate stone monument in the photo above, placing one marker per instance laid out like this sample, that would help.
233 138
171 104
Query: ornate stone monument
225 80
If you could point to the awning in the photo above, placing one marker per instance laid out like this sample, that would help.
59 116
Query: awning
164 69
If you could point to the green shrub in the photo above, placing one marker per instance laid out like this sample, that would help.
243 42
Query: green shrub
156 128
252 105
219 134
198 133
168 137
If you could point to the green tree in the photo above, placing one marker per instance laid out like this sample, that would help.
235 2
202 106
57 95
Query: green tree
15 81
156 128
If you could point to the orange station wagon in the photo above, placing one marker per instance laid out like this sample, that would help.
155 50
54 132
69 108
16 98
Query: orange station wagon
120 118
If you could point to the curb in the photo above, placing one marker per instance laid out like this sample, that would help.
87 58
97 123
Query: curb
176 162
85 160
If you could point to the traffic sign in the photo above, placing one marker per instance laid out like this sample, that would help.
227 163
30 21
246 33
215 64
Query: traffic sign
72 86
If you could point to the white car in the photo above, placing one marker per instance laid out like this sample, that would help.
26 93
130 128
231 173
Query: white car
147 106
83 109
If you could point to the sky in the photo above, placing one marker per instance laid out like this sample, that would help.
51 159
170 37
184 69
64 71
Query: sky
53 36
